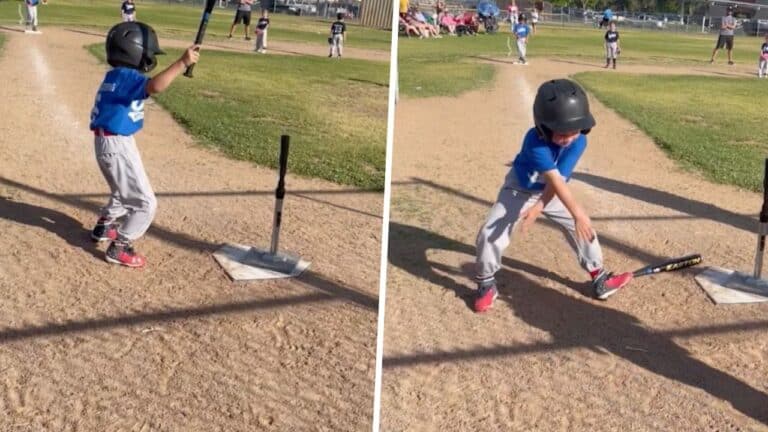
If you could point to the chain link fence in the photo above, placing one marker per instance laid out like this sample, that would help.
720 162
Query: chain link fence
314 8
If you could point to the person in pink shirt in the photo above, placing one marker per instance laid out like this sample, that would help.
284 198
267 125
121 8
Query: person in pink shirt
513 12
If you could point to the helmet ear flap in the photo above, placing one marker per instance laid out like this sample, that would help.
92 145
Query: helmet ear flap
148 63
586 131
545 133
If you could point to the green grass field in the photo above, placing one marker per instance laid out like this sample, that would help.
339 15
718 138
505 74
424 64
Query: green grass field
711 124
181 21
431 57
335 112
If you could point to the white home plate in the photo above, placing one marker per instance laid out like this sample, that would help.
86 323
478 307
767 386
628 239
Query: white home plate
243 262
729 287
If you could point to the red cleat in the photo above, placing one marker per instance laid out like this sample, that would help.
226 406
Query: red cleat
485 297
123 254
104 230
606 284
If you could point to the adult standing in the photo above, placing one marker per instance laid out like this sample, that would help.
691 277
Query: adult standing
243 15
512 11
725 37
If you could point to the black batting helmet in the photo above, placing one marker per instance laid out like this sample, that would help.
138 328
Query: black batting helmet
133 45
561 106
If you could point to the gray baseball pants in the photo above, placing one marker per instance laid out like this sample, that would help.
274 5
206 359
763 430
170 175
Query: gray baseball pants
494 235
261 40
521 47
131 195
337 44
32 15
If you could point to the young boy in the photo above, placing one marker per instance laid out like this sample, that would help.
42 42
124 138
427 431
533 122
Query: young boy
338 35
521 31
612 48
31 14
128 11
261 33
537 183
117 115
762 66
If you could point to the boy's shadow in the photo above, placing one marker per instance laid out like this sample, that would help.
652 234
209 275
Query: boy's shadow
69 229
573 322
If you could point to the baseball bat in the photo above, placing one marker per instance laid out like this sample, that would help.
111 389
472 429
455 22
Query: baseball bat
761 229
280 192
670 265
201 31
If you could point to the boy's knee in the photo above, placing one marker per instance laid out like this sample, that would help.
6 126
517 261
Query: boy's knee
149 205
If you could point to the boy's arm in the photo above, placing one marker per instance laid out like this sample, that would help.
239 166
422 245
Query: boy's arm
561 189
161 81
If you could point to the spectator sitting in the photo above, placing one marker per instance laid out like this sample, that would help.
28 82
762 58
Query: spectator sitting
408 28
432 30
449 23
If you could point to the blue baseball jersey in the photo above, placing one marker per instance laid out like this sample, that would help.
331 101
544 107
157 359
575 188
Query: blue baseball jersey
521 30
539 155
119 106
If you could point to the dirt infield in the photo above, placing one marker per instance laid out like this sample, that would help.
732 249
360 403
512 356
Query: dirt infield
88 346
658 356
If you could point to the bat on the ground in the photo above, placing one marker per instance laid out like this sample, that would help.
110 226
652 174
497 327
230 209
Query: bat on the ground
671 265
761 231
201 30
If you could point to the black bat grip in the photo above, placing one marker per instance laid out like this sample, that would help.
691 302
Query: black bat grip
188 72
285 141
764 211
199 37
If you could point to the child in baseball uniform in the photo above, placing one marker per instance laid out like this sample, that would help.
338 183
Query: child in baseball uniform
32 13
612 48
521 31
261 33
338 35
118 113
762 65
128 11
538 183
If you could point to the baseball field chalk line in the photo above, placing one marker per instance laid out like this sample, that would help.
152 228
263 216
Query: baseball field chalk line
63 118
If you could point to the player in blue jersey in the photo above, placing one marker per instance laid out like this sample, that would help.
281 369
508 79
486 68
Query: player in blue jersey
117 115
521 31
538 183
32 13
